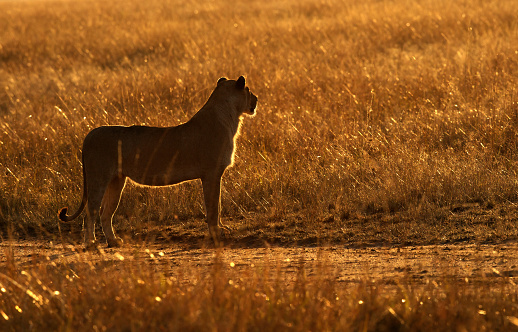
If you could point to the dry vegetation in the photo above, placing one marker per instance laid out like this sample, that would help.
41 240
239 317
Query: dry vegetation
112 292
379 122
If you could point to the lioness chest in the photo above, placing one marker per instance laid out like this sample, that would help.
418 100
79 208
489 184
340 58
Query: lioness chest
160 156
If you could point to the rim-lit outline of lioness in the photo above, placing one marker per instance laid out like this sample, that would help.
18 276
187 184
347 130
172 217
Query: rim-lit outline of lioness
201 148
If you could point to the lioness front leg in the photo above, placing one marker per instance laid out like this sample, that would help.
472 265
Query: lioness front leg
211 193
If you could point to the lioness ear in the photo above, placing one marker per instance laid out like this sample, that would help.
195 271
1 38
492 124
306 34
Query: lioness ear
240 84
222 79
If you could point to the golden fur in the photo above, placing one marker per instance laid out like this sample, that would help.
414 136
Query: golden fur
202 148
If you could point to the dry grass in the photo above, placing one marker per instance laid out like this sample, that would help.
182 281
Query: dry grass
364 108
378 122
124 296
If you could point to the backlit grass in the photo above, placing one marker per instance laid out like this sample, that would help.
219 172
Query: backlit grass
134 295
376 106
381 122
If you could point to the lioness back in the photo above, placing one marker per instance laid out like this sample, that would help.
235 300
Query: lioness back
157 156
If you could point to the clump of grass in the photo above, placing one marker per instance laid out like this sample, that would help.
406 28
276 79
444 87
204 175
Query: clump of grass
137 294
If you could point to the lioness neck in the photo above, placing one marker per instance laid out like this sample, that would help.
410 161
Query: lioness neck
225 115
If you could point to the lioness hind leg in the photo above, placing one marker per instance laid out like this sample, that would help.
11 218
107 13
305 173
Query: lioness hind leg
109 205
96 187
92 216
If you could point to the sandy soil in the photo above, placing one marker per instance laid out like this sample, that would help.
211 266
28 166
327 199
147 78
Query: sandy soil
386 265
471 241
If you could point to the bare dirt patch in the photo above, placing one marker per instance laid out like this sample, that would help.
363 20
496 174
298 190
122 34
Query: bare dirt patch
468 242
385 265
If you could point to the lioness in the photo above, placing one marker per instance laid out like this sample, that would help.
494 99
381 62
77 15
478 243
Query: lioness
202 148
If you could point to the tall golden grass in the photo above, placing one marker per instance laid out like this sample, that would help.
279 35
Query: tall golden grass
371 107
124 296
366 107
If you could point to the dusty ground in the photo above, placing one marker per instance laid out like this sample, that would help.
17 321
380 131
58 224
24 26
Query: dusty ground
470 241
386 265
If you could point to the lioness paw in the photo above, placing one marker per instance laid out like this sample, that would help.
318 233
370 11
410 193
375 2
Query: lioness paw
92 246
115 243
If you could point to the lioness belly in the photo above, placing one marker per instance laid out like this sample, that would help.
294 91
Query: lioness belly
165 178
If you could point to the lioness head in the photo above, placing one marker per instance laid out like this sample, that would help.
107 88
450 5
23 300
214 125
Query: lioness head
245 100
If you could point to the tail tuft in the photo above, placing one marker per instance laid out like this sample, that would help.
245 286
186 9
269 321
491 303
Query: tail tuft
63 214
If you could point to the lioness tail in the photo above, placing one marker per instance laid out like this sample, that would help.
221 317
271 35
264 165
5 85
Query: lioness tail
62 214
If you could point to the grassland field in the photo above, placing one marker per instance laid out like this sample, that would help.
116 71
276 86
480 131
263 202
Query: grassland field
375 189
